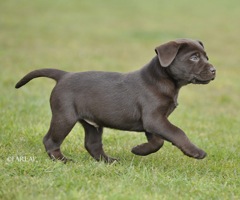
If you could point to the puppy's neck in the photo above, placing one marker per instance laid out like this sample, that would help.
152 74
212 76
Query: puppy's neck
154 73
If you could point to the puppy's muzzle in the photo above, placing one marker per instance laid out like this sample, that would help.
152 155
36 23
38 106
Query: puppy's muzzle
213 71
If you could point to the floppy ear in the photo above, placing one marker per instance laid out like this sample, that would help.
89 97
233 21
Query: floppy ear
167 53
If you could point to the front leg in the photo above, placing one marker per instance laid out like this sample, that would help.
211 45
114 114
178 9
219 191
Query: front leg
160 125
155 142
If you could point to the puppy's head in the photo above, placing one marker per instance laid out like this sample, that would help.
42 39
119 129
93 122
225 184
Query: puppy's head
186 61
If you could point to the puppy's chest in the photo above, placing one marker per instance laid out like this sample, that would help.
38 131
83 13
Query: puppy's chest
172 106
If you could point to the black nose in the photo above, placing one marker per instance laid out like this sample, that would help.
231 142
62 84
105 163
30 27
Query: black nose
213 70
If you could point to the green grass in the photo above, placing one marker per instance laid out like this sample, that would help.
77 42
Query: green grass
117 36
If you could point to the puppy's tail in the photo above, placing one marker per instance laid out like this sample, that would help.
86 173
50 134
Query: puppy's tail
49 73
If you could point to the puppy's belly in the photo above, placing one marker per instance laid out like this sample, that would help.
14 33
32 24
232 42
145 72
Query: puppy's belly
91 123
126 126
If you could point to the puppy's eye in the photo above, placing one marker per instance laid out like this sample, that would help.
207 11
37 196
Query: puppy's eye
195 58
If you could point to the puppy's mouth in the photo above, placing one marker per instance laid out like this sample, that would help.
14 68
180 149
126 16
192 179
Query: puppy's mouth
196 80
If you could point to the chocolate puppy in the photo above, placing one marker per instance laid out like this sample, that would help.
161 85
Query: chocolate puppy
137 101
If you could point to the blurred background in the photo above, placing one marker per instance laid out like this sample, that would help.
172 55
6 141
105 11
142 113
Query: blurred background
112 35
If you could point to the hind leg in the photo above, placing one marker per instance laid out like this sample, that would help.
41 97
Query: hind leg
155 142
61 125
93 142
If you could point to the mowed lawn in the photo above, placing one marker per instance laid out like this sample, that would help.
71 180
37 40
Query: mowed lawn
117 36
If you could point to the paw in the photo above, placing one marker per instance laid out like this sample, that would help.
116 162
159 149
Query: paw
200 154
138 150
56 155
195 152
146 149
